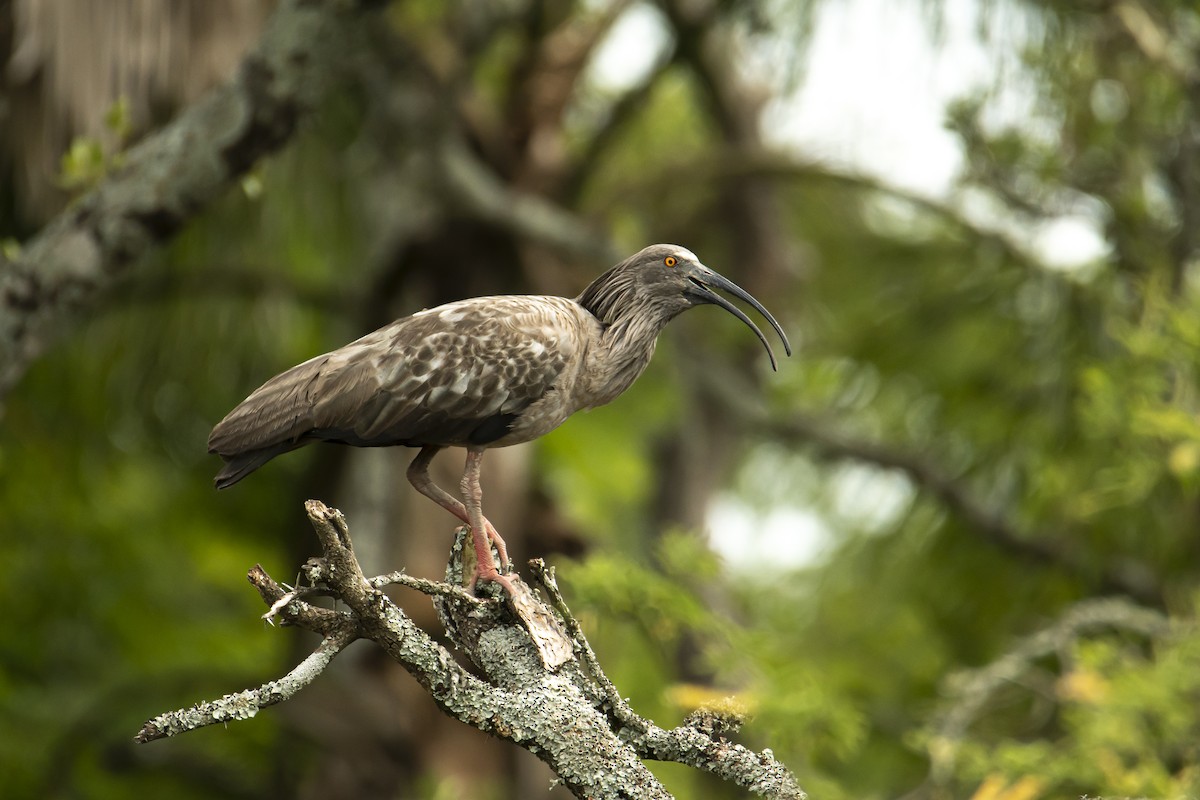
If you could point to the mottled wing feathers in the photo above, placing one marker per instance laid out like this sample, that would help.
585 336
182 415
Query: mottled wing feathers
457 374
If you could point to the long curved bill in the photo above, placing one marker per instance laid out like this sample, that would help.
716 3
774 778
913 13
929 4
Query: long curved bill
706 280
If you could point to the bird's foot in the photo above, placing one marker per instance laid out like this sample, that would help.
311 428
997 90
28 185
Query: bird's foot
493 575
483 565
553 645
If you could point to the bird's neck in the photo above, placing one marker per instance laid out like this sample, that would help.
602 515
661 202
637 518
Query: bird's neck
615 360
630 322
624 348
625 313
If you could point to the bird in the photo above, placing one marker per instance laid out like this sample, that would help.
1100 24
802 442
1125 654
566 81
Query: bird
478 373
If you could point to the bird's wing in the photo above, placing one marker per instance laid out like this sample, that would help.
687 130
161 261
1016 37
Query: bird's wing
456 374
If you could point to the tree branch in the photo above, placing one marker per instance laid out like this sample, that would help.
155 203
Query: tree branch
1130 577
828 444
782 166
167 179
1159 45
475 188
566 713
244 281
244 705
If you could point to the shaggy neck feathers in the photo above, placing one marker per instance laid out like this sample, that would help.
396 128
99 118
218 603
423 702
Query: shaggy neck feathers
632 318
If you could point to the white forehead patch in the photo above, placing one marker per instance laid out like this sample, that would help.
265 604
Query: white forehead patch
684 254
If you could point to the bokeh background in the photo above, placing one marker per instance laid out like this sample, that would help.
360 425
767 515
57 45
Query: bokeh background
950 549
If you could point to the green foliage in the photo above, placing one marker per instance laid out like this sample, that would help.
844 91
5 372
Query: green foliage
1124 724
954 378
83 165
640 619
88 160
609 486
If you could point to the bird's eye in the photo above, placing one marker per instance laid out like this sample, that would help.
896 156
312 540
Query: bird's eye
670 261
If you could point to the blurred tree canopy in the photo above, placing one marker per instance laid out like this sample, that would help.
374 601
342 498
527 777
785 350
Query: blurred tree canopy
1001 452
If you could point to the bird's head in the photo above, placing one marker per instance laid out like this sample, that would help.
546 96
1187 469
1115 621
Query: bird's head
664 280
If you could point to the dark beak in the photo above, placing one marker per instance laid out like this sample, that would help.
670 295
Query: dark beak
703 281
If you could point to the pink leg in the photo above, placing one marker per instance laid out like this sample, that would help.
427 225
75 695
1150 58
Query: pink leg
418 476
485 567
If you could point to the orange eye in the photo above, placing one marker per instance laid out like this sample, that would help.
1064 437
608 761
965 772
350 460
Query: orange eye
670 261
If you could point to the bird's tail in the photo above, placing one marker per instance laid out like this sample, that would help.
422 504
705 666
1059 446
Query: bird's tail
241 465
274 419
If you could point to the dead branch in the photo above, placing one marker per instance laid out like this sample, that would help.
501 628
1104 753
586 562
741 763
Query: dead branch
542 686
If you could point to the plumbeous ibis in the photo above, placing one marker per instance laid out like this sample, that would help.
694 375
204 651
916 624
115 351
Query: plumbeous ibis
478 373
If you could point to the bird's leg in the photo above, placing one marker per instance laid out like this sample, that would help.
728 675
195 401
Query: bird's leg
485 565
418 476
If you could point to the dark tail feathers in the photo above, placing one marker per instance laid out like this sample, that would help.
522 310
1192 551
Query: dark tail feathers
241 465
